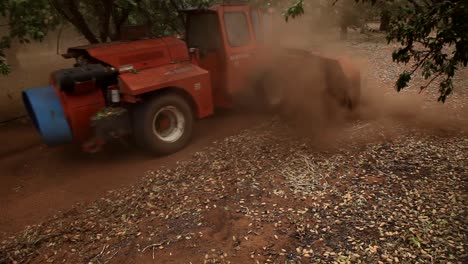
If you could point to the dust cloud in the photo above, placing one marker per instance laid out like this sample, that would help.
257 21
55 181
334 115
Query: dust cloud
313 112
382 104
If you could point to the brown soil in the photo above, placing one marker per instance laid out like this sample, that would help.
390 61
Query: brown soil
382 189
37 182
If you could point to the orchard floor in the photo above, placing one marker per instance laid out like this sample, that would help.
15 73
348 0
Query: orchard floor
386 187
37 182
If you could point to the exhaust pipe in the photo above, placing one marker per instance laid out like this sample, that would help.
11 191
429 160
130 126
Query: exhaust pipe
47 114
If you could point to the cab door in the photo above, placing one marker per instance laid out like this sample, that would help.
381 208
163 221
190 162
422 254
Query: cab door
239 45
203 32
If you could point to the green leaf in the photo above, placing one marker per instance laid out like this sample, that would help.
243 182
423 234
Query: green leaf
415 242
295 10
5 69
403 80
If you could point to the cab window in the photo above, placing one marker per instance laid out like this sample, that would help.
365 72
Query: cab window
203 31
237 28
256 24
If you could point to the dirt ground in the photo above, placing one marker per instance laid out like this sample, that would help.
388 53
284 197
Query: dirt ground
38 182
387 187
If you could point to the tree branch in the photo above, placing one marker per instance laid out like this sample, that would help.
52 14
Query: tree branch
430 81
59 36
70 11
418 65
105 19
176 7
118 19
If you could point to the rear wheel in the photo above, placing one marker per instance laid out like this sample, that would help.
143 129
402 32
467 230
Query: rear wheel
270 92
164 124
274 96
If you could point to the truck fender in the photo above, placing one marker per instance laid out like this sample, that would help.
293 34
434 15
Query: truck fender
187 77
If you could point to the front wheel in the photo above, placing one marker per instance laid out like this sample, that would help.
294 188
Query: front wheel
164 124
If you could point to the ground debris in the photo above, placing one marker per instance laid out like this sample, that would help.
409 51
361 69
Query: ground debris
381 193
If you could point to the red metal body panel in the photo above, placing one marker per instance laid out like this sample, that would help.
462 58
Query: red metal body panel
177 49
191 78
214 62
238 59
229 66
140 54
79 109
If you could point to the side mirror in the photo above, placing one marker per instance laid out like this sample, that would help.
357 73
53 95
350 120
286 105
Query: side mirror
199 51
194 54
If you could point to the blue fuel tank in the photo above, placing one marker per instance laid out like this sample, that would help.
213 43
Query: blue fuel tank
46 112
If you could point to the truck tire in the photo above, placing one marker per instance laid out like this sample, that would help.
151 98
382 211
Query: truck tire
274 96
163 124
269 93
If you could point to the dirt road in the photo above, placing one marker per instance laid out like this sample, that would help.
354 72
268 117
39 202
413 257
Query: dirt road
37 182
265 195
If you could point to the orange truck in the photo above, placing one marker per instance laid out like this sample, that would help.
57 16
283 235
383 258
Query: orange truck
155 89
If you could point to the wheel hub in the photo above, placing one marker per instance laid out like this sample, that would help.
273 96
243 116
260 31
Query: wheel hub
168 124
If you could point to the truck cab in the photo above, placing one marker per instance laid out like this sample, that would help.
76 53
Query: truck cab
154 89
224 40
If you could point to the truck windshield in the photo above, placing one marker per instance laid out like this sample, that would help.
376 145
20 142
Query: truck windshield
203 31
237 28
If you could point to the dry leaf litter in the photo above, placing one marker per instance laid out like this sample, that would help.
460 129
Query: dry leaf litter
268 196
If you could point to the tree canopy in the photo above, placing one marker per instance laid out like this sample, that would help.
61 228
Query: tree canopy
97 20
25 21
433 33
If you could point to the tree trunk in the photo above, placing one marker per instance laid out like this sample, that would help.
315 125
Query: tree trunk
118 19
69 10
59 38
105 20
384 20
